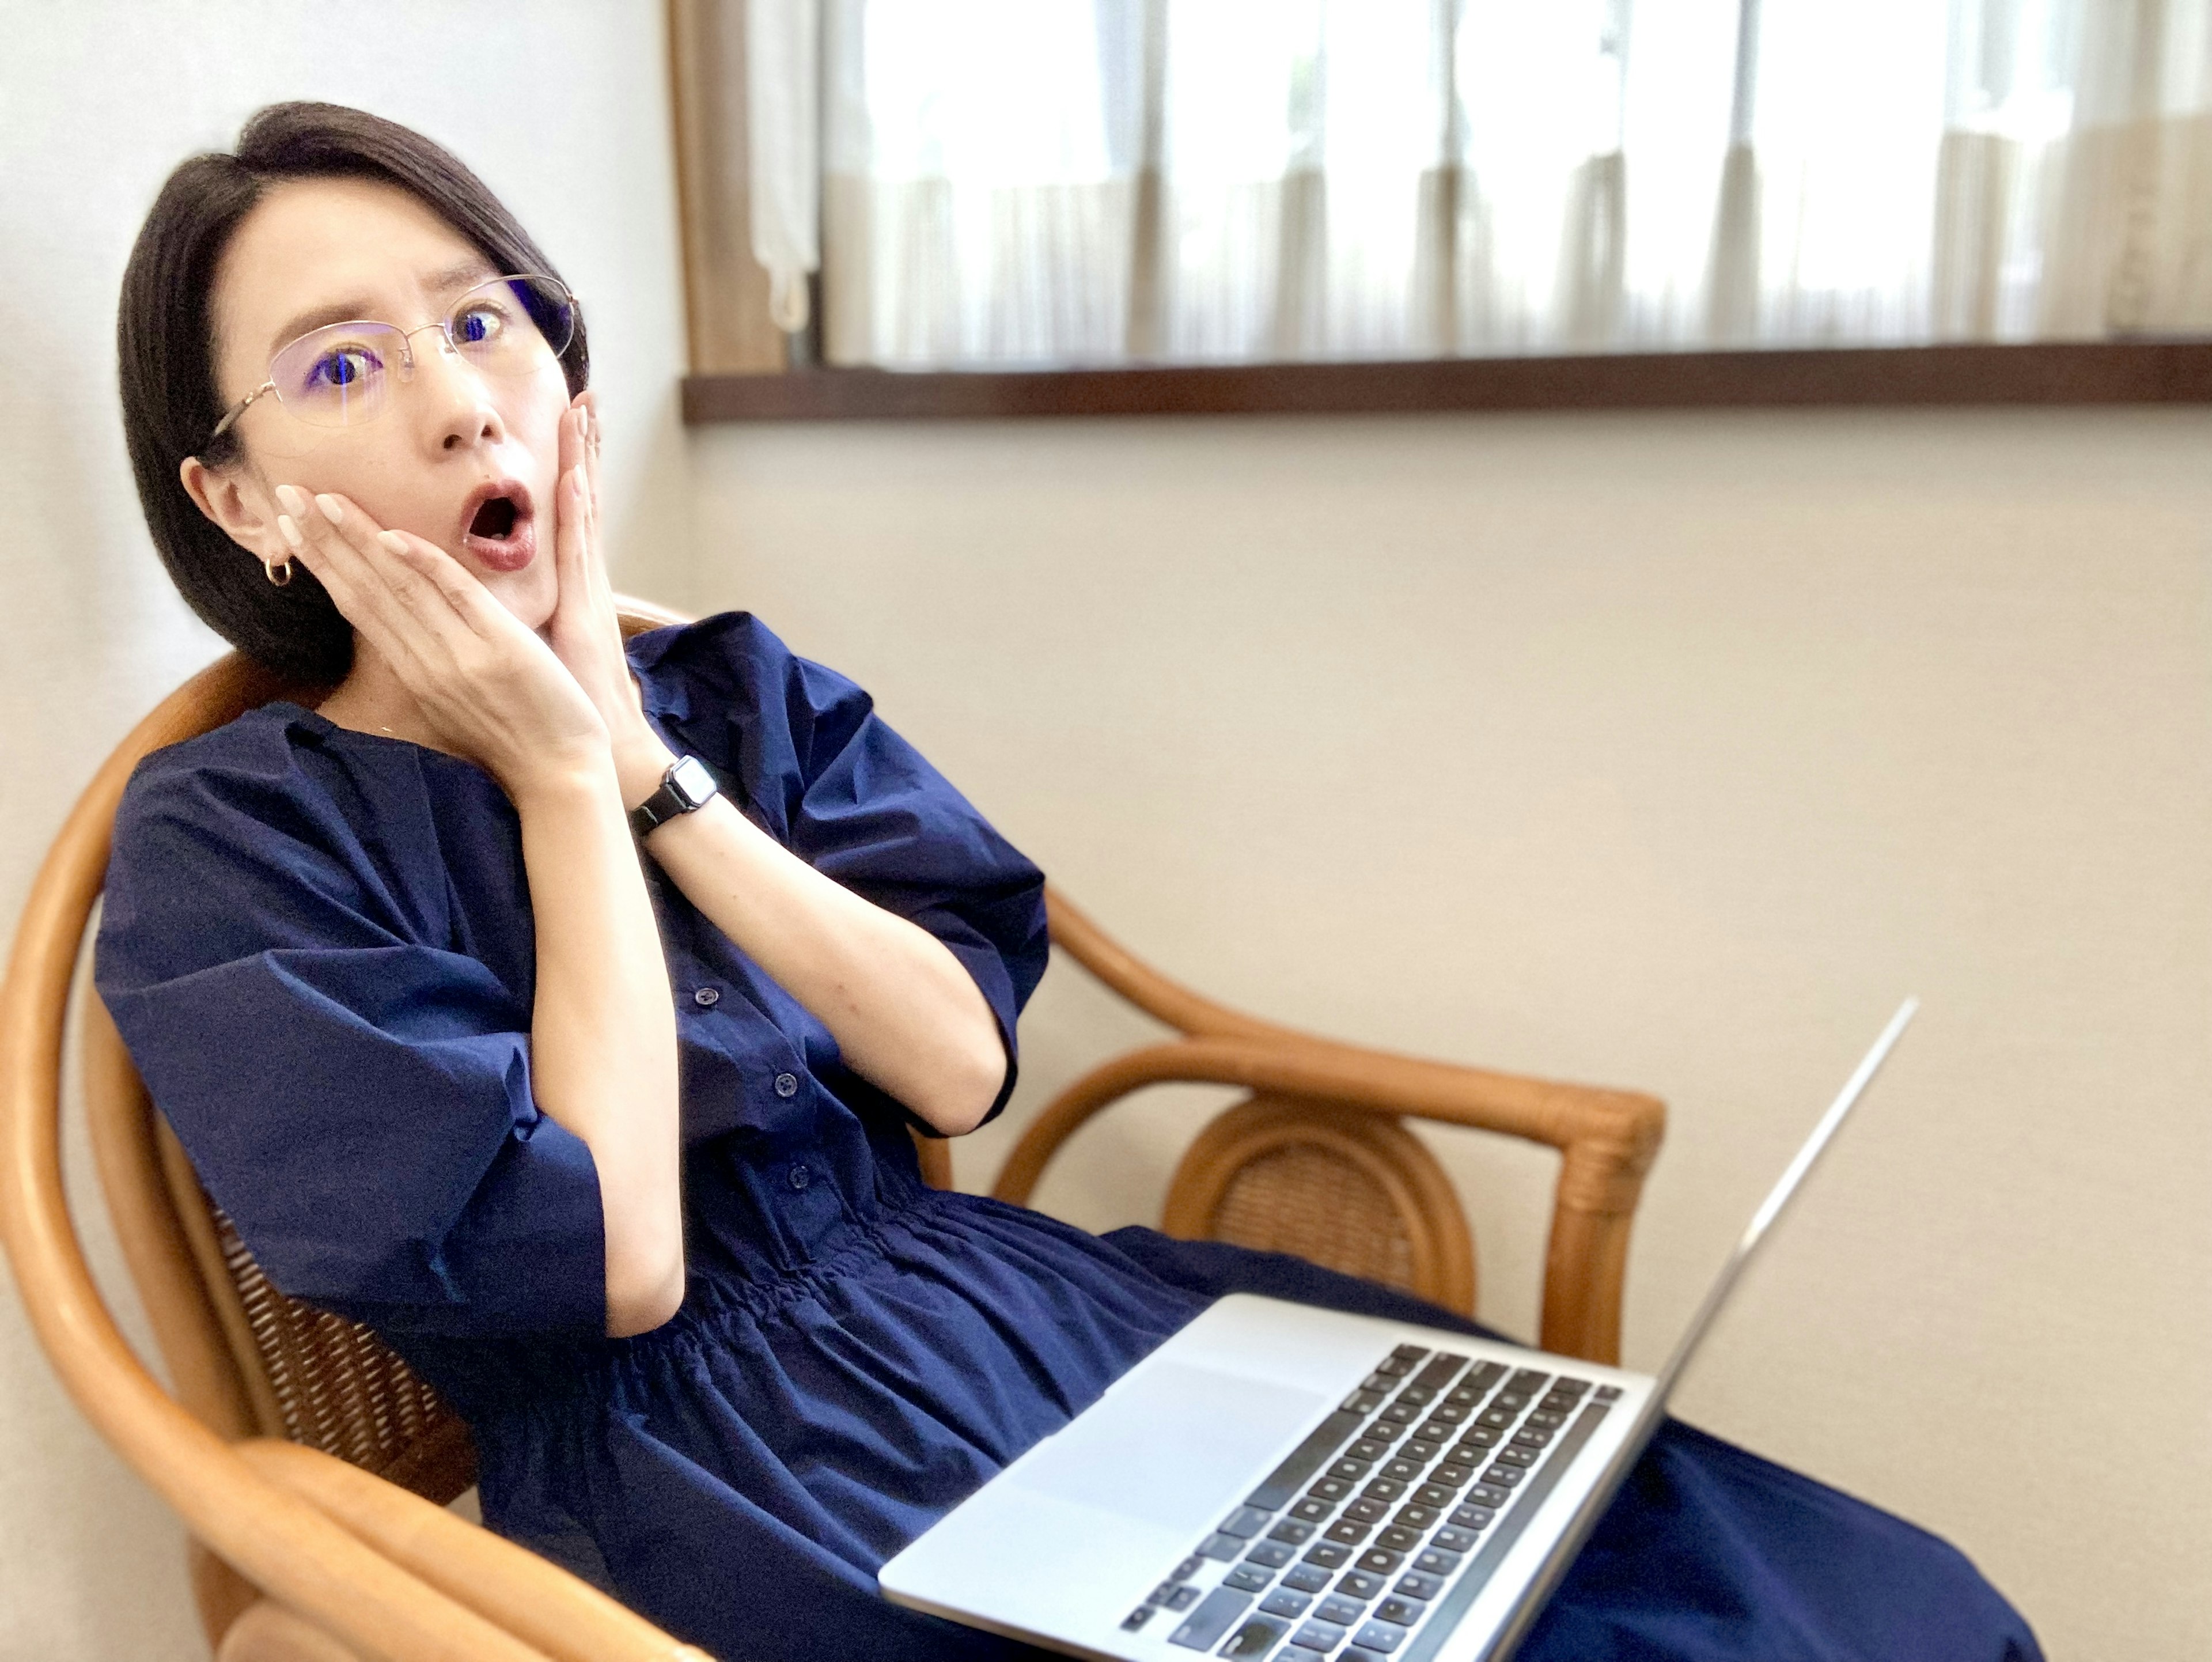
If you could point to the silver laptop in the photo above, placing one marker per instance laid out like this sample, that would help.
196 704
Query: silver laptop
1290 1484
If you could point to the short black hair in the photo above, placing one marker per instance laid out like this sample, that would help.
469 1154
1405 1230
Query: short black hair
164 348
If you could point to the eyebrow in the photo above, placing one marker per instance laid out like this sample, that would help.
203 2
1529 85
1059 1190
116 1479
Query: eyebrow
462 274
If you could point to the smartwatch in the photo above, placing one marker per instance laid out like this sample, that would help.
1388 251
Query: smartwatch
686 787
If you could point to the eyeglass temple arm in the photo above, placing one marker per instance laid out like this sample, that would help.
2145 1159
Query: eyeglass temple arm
230 418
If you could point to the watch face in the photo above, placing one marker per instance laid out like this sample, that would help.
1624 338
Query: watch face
692 781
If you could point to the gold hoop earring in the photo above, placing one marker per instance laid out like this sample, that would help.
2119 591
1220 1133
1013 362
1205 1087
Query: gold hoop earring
273 568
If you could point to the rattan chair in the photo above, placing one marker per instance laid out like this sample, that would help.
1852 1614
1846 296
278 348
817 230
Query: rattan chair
312 1467
1317 1160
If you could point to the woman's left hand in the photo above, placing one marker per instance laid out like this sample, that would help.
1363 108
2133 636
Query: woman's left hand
585 632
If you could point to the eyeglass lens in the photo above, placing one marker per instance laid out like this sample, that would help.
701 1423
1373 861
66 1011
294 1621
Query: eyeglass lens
343 373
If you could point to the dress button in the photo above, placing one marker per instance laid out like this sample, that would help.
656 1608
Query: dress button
708 997
787 1085
801 1176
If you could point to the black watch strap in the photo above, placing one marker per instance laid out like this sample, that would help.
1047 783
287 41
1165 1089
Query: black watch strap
687 786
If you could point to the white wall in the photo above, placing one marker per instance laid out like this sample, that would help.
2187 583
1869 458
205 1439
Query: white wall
1659 750
563 108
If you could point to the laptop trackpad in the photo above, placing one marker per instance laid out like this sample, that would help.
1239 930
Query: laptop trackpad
1168 1444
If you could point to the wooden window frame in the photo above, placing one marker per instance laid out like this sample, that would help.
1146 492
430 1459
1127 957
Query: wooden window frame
2046 373
742 368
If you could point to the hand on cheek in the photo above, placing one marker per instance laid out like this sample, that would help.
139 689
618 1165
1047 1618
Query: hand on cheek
585 631
490 690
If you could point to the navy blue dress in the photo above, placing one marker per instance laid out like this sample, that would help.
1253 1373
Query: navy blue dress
318 944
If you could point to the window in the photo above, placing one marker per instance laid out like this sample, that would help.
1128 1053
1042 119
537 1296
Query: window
1018 185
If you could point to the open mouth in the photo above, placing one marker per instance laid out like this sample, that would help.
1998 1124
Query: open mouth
496 518
496 526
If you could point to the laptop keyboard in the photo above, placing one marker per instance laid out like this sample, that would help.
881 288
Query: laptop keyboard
1371 1540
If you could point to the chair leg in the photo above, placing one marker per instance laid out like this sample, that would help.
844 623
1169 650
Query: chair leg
268 1633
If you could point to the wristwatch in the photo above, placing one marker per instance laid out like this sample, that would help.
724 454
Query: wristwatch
686 787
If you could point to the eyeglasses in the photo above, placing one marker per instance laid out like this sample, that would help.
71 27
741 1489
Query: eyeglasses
342 375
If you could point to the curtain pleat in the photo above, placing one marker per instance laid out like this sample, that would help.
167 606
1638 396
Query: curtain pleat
1032 182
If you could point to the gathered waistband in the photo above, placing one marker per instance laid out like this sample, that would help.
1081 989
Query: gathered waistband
530 1376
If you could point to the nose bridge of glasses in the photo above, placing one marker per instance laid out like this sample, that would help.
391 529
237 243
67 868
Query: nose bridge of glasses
444 328
458 390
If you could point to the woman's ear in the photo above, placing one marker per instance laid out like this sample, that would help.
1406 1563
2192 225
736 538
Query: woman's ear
228 498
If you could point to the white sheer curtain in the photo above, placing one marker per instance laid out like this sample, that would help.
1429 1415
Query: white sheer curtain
1034 182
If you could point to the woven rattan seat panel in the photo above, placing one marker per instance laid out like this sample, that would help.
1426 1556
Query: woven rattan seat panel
339 1387
1307 1201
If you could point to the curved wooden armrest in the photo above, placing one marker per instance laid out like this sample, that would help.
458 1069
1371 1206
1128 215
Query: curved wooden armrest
1610 1137
1606 1139
285 1546
1157 994
290 1548
1613 1135
540 1603
265 1631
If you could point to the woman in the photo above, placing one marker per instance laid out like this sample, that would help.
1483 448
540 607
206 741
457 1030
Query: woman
582 1072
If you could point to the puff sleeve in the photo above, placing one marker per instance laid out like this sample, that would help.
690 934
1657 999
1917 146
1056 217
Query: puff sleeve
823 773
353 1088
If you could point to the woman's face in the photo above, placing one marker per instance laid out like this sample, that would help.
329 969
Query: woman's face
319 251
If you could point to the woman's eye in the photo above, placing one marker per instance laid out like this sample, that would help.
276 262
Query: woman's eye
478 326
345 368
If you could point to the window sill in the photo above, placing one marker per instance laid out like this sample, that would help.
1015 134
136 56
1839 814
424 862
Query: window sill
2120 372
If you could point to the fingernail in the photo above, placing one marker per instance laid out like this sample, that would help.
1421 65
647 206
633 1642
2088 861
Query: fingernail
332 510
393 540
289 529
294 498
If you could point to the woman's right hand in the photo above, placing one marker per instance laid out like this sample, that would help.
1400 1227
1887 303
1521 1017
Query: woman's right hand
490 689
603 1058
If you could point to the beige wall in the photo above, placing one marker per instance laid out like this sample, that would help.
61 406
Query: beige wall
1664 750
563 108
